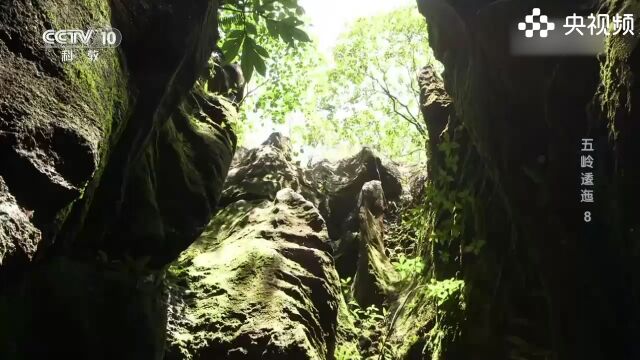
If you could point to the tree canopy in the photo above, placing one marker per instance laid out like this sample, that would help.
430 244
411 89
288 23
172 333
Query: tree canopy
365 94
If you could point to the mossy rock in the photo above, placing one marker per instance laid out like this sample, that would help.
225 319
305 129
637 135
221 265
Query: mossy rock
58 118
259 284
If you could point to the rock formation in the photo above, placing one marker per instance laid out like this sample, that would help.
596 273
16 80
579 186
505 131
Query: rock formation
375 276
128 229
109 169
540 285
260 282
341 183
18 237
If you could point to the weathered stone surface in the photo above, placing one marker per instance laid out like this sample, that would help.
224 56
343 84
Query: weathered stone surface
258 284
436 107
120 162
175 187
340 185
18 237
375 277
55 120
168 154
261 172
523 120
84 145
342 182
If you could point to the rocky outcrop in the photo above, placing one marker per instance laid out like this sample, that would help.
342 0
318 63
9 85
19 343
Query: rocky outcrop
262 285
340 185
77 138
543 285
375 278
170 152
110 169
343 180
260 282
56 120
176 185
436 108
18 237
249 182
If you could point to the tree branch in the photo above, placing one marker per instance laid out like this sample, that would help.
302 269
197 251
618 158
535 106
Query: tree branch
395 102
250 92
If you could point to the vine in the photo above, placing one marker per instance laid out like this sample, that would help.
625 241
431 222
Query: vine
441 217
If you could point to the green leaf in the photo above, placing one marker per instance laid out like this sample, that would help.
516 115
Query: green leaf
300 35
285 33
236 34
289 3
261 51
247 61
272 27
260 66
251 28
231 47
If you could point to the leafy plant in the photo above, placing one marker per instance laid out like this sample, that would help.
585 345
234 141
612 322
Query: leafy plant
370 322
408 267
285 87
367 95
448 297
446 290
347 351
245 24
369 318
440 220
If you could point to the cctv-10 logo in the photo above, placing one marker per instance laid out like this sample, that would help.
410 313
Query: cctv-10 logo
75 38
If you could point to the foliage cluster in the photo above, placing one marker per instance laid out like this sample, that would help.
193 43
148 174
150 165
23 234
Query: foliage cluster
347 351
368 318
407 267
283 91
370 95
441 217
375 71
366 95
371 323
448 298
246 24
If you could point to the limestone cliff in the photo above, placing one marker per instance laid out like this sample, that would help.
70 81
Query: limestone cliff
261 282
545 284
108 170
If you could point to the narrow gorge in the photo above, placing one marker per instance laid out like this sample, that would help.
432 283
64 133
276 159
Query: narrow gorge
135 224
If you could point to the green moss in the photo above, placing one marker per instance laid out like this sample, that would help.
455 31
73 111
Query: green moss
97 91
236 272
347 351
448 298
616 77
427 322
100 84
